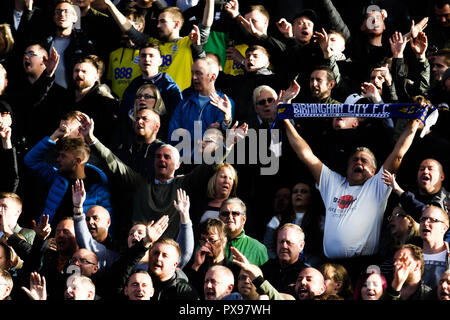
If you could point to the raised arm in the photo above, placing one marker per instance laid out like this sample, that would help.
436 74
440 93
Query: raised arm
121 20
256 276
392 163
208 13
130 178
186 235
303 151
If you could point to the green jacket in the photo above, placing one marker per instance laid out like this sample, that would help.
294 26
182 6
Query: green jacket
252 249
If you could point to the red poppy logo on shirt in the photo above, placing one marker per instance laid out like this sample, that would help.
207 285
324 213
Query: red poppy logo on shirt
345 201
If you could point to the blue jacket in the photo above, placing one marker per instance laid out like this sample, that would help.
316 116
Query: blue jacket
170 92
190 110
96 194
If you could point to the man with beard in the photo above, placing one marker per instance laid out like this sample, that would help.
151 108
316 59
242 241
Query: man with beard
310 284
358 199
79 288
93 98
150 60
72 165
69 43
141 154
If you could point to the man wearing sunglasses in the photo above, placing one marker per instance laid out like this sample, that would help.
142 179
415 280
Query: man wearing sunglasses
433 225
233 213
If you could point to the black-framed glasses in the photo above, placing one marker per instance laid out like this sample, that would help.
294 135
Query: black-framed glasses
81 261
264 101
395 215
30 54
210 241
145 96
227 213
430 220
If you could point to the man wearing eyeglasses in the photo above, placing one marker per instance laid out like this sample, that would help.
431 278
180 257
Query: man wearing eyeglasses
430 190
434 224
86 260
67 41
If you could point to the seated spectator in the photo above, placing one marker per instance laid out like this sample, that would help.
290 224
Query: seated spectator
305 211
337 280
246 288
263 287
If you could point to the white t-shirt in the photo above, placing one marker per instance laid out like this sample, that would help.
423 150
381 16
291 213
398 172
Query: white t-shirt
354 214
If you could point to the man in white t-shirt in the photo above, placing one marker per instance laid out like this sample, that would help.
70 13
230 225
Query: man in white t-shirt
433 225
354 204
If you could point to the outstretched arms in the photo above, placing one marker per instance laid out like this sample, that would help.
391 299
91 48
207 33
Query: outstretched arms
405 140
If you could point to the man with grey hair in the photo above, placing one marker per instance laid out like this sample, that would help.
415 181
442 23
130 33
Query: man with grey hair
152 198
202 102
233 213
79 288
282 272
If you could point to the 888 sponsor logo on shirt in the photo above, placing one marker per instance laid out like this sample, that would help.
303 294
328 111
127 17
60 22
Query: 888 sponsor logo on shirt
167 60
123 73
